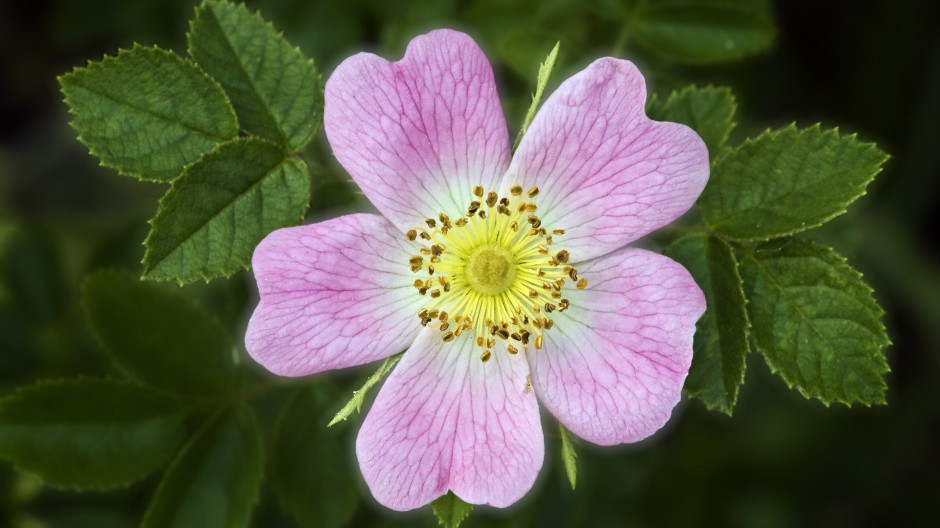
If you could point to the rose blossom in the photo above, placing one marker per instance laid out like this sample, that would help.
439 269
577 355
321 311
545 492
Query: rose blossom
505 277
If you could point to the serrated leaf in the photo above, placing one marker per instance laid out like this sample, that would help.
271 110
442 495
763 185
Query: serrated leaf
450 510
787 181
815 321
359 396
721 341
147 112
545 72
159 336
215 481
569 457
89 433
276 90
220 208
309 471
709 111
704 31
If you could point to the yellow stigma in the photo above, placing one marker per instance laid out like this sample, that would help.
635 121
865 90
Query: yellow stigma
491 272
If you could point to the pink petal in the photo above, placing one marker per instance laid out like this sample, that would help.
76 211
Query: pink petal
333 294
418 134
446 420
613 366
608 174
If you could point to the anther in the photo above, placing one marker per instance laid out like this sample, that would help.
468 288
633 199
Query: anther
538 342
478 191
516 190
562 256
449 336
435 293
485 356
430 222
558 231
412 235
491 198
512 350
582 283
533 192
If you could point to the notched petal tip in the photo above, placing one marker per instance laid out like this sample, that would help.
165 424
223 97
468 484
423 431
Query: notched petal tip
329 298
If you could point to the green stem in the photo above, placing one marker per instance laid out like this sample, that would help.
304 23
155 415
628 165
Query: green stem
621 43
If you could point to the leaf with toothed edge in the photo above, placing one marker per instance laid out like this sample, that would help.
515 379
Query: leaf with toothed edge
276 90
721 334
709 111
815 321
450 510
220 208
545 71
147 112
786 181
359 396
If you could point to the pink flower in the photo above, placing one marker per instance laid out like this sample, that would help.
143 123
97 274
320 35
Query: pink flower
505 278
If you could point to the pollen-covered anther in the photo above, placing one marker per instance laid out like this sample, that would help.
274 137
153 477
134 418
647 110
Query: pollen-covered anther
487 275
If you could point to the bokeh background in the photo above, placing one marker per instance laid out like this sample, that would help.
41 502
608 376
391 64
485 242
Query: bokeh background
867 66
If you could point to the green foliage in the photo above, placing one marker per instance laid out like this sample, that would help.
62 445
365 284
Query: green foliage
704 31
310 473
787 181
159 336
721 335
709 111
359 396
89 433
274 88
545 72
569 456
815 321
215 480
147 112
450 510
30 277
218 210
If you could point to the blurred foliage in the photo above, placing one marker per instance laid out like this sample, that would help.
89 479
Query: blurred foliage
871 67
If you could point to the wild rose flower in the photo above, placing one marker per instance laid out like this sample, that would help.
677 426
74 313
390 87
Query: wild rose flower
505 278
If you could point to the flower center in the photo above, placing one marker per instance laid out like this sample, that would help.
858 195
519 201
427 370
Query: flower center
491 272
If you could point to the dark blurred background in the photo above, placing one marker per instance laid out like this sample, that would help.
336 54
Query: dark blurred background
867 66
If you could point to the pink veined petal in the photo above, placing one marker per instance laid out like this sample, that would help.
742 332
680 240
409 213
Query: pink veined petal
333 294
613 366
446 420
607 174
418 134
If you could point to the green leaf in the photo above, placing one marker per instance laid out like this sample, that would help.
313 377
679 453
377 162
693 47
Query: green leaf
816 322
450 510
218 210
215 480
709 111
704 31
787 181
147 112
721 341
274 88
545 71
355 403
569 457
159 336
309 472
89 433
